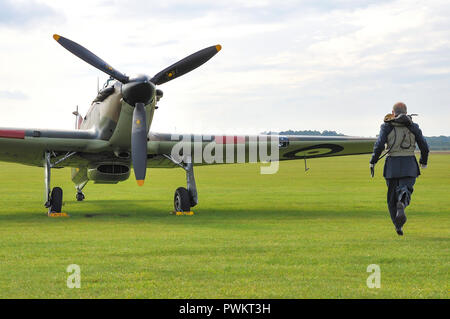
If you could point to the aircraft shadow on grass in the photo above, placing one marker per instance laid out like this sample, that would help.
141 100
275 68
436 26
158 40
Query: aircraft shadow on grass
152 210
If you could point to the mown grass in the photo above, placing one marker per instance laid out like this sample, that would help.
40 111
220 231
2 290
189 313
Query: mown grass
288 235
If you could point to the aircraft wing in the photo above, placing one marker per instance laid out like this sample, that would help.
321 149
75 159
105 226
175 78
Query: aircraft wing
27 146
289 147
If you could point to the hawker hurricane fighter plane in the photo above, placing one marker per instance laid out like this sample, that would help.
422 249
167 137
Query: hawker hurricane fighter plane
115 136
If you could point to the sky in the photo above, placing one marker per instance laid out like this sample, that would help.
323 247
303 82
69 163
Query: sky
301 65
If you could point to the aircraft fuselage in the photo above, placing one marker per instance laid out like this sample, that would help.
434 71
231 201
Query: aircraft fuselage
111 117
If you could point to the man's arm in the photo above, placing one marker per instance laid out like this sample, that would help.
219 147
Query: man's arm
421 142
385 129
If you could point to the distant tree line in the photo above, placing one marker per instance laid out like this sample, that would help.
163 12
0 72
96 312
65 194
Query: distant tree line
436 143
307 132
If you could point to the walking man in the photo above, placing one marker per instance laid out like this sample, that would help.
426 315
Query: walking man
400 167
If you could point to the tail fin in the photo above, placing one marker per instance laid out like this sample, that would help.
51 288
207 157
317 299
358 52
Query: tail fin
78 119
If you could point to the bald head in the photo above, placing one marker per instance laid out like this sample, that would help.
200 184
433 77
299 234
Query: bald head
399 108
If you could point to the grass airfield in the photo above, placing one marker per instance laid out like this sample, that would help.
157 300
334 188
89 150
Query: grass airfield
288 235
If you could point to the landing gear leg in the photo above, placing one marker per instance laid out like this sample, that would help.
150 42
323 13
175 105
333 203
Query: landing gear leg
184 198
190 180
53 199
47 168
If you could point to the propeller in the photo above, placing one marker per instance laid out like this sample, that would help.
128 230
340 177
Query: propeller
185 65
139 143
89 57
139 91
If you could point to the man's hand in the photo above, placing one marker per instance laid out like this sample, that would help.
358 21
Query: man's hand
372 169
423 166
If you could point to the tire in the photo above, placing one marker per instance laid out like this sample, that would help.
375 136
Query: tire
182 200
56 200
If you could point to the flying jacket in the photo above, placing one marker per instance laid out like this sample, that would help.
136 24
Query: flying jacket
400 161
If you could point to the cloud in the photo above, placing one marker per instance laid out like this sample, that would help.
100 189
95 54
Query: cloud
13 95
26 13
250 10
282 62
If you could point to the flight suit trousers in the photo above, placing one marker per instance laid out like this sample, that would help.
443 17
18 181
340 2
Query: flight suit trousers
399 189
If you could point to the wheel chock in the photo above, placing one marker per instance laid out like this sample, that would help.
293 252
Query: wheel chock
191 213
58 215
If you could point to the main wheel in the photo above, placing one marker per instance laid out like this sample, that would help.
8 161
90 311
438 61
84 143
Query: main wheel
182 200
56 200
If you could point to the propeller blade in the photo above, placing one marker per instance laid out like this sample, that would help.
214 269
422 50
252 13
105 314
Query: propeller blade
185 65
90 58
139 143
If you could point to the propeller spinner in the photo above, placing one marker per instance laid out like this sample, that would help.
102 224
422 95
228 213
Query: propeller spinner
139 91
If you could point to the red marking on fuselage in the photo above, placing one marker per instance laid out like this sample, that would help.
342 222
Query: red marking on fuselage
229 139
12 134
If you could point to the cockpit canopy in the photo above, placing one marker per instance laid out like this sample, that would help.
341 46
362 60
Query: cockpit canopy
108 82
